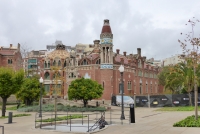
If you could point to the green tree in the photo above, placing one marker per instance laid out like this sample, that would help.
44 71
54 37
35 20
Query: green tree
84 89
30 90
10 83
162 75
181 76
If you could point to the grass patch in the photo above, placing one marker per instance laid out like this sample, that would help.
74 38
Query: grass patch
188 122
185 108
50 108
16 115
62 118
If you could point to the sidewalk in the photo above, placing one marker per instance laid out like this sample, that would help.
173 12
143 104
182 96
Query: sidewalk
148 121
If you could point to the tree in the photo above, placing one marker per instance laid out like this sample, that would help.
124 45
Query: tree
30 90
162 77
10 83
190 47
84 89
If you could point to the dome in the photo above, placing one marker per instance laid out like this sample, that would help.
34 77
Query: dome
60 52
106 27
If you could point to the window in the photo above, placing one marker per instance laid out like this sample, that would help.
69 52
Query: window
65 64
48 64
54 63
45 64
146 87
139 64
103 84
140 88
84 62
129 85
9 61
98 61
47 76
151 88
56 75
59 63
47 88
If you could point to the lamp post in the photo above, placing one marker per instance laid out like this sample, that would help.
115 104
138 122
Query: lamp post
41 81
121 70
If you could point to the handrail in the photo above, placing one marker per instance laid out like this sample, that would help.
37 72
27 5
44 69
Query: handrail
2 129
97 123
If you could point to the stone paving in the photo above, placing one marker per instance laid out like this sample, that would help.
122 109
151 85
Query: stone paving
148 121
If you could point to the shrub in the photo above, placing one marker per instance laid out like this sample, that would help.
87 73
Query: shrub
50 108
188 122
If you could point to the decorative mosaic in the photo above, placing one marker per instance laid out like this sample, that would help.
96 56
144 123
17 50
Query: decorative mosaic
106 66
106 41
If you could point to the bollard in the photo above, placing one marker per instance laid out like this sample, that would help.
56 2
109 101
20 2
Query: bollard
10 117
132 113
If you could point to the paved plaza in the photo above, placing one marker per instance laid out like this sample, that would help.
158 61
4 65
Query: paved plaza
148 121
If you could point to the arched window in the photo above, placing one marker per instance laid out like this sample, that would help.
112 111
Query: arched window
56 75
45 64
47 76
129 85
54 63
84 62
139 64
98 61
59 63
48 64
140 86
65 64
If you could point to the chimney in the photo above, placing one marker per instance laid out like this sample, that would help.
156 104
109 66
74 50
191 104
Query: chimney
18 46
124 53
117 50
144 58
10 45
139 51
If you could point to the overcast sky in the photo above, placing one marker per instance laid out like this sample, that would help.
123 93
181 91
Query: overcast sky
152 25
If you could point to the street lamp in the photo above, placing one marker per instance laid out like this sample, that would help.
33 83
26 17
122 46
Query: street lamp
41 81
121 70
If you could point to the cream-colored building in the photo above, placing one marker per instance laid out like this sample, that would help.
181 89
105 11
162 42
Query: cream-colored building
172 60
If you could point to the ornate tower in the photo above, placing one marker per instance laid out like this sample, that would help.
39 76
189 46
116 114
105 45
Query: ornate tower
106 46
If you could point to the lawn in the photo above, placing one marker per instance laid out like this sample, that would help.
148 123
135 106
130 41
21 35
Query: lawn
16 115
182 108
61 118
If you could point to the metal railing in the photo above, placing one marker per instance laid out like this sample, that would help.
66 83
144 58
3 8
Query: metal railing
2 129
87 120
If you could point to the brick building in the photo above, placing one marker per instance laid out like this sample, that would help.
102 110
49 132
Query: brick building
11 57
99 62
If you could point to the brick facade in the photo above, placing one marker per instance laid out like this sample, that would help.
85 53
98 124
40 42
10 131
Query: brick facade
11 57
102 64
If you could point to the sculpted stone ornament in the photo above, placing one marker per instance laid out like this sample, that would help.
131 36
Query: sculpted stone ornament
60 47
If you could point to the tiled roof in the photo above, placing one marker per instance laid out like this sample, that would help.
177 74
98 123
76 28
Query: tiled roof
93 56
117 59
